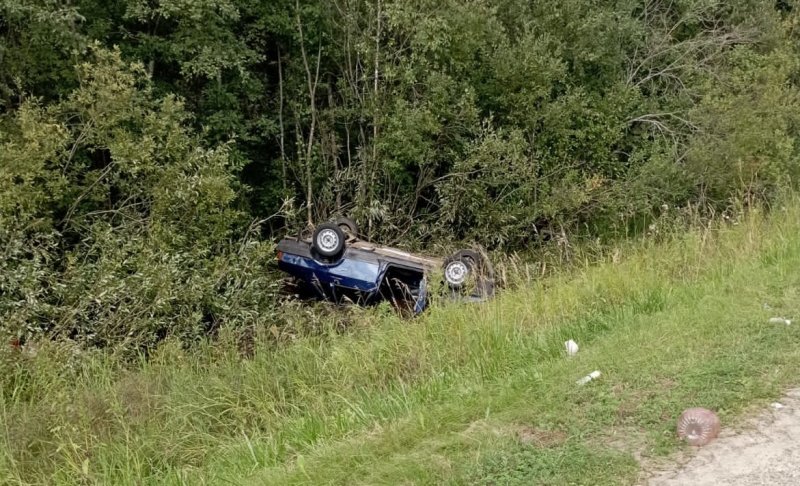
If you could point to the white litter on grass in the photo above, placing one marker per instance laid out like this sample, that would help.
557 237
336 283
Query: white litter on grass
780 320
586 379
776 405
572 347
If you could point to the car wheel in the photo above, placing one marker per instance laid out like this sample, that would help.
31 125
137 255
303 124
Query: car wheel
459 266
469 274
348 226
328 240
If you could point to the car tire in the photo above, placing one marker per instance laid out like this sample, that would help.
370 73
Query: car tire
462 265
459 266
328 240
348 226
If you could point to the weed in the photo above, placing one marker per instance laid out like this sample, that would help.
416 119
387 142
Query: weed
675 324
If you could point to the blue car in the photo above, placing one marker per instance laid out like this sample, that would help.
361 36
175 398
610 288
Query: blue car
336 265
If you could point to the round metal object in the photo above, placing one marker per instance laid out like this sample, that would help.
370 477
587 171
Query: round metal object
328 240
456 272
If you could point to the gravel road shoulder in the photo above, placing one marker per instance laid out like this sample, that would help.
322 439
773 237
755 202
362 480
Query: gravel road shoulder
765 451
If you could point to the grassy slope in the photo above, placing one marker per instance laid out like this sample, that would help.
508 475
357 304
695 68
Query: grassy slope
464 394
674 326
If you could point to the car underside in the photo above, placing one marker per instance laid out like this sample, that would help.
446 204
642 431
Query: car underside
336 265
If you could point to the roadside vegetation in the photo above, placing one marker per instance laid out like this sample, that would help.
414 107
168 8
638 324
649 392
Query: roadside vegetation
152 151
464 394
631 166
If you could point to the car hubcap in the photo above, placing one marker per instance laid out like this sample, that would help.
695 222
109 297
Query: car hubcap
456 273
328 240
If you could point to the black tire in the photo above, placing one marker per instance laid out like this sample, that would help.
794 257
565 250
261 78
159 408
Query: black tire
348 226
328 240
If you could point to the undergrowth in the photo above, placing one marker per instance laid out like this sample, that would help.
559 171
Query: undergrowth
463 394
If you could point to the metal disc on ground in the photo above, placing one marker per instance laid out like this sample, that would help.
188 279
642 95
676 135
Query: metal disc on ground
698 426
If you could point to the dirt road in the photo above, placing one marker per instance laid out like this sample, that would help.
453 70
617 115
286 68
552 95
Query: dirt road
765 452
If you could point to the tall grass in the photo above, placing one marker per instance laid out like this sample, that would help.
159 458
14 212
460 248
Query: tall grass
464 393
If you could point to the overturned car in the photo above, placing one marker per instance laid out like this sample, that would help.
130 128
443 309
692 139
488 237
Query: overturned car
334 264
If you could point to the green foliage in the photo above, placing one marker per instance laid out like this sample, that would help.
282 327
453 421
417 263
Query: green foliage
118 225
139 139
374 108
41 39
463 394
527 465
201 37
506 124
493 189
745 141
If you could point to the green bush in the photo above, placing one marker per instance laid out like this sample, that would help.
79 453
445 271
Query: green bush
118 225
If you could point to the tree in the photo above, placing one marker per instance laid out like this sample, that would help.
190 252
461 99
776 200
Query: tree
117 224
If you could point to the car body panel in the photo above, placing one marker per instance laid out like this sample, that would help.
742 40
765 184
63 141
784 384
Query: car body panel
348 273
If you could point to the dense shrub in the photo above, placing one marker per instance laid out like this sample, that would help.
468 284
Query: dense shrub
139 139
117 224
